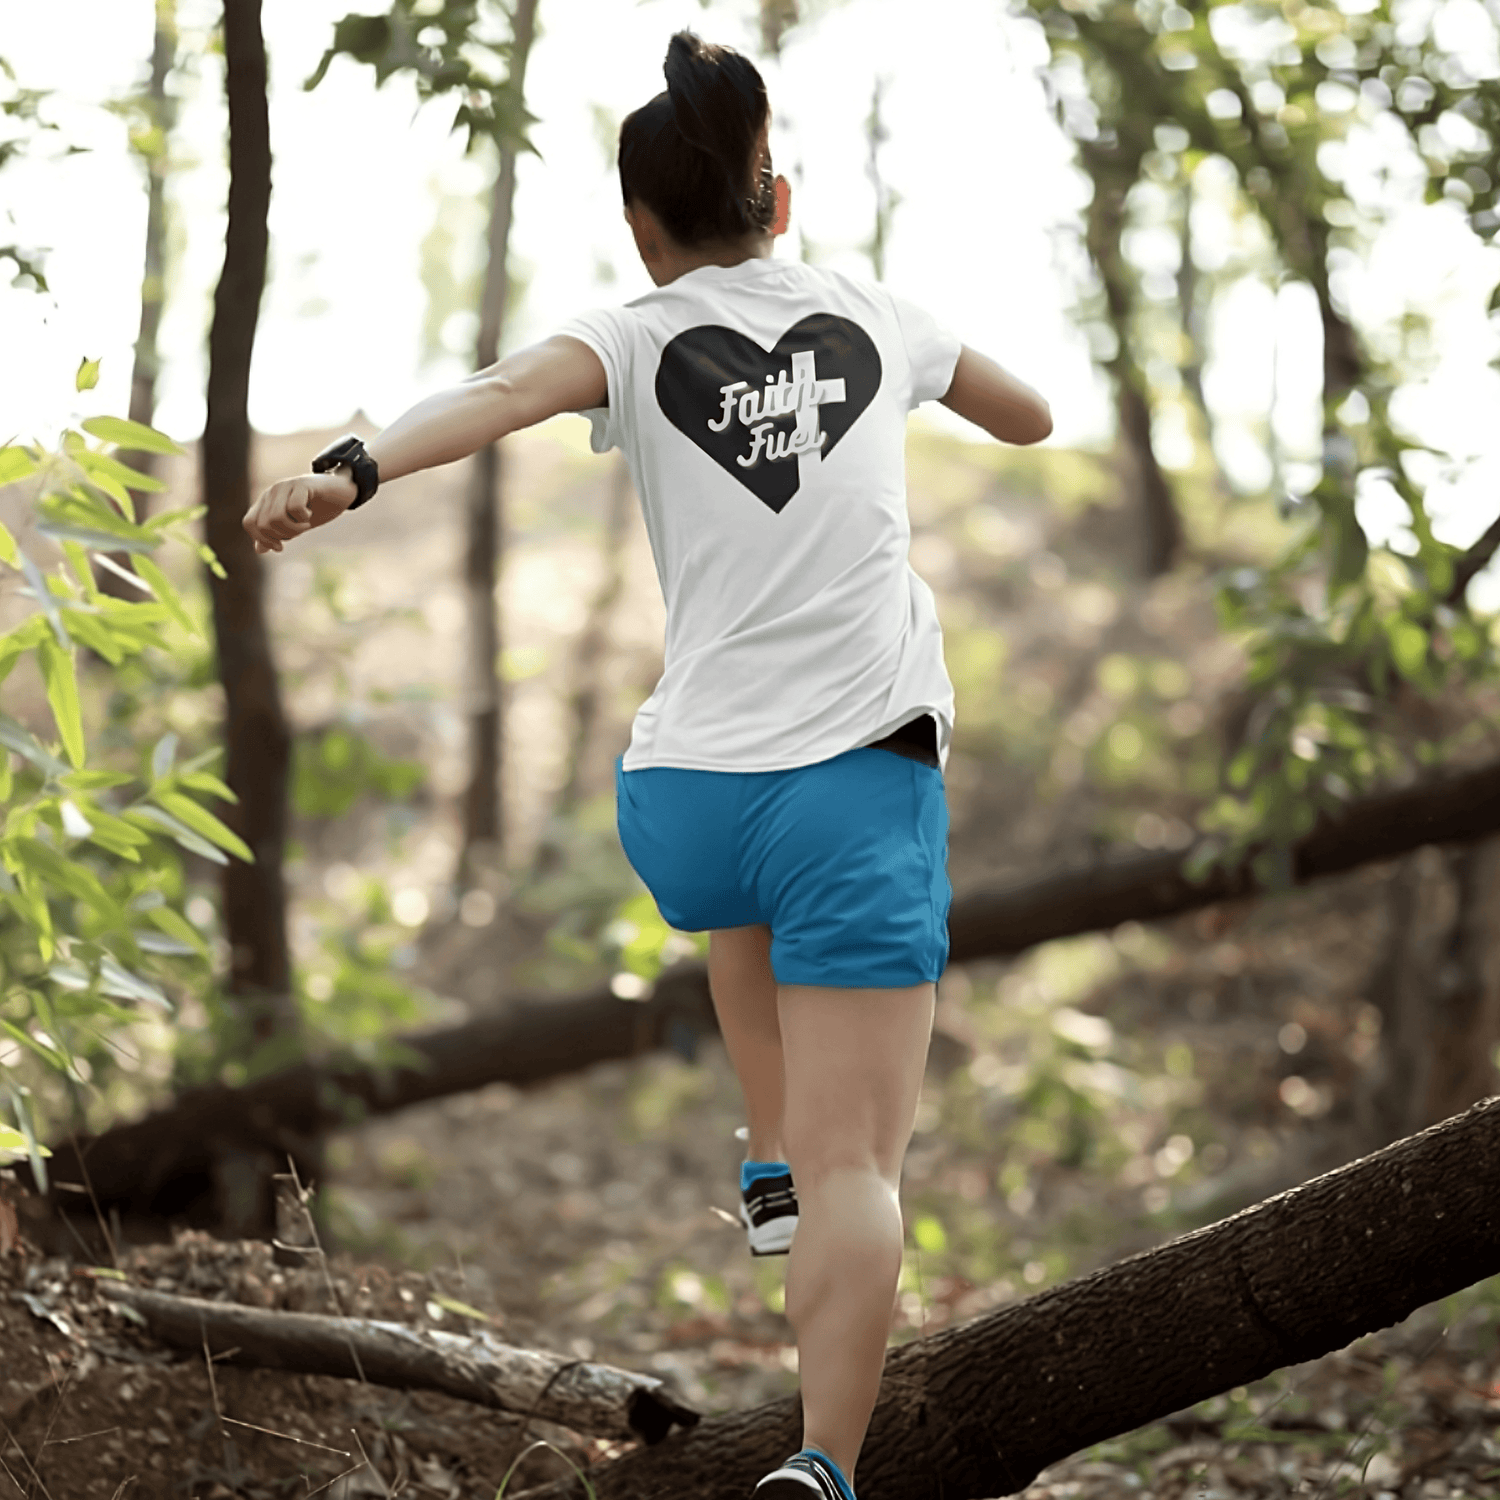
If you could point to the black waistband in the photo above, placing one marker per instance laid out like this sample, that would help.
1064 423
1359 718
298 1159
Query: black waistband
916 740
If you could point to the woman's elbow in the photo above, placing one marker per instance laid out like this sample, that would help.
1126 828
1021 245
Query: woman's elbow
1037 428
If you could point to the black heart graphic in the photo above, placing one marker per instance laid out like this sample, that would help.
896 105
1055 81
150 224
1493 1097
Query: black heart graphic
711 379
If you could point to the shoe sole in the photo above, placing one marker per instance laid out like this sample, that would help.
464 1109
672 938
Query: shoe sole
787 1489
774 1238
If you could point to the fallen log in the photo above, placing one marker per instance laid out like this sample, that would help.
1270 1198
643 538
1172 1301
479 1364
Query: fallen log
980 1410
587 1397
189 1162
197 1160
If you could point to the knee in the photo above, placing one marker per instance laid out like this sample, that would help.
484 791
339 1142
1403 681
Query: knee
814 1158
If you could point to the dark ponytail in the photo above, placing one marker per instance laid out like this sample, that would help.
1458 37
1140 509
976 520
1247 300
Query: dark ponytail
687 154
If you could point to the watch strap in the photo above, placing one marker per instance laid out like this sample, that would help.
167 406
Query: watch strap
349 452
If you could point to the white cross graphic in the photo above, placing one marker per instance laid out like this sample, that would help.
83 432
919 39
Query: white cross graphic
811 394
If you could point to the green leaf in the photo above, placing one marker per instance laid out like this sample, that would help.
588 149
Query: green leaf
929 1235
114 980
101 463
179 831
88 375
87 536
90 780
1408 648
176 925
62 694
14 643
162 755
97 637
206 781
19 738
200 820
15 463
14 1143
45 598
66 875
166 594
453 1305
8 546
34 1148
116 835
127 434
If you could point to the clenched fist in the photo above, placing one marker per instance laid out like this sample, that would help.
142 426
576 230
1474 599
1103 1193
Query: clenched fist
291 506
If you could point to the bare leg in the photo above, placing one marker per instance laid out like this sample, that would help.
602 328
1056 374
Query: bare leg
744 992
854 1065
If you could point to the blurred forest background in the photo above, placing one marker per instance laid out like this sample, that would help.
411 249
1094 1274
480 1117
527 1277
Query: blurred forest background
312 857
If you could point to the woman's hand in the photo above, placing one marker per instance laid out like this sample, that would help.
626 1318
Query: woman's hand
291 506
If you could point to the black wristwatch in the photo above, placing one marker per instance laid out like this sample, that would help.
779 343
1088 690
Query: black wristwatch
349 452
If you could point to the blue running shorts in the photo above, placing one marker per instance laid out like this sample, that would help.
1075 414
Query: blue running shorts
846 861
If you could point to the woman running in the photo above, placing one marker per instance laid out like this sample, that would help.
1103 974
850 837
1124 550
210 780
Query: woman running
783 786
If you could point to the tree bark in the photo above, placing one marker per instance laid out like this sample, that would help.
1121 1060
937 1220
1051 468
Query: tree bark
256 733
1436 985
161 110
980 1410
484 527
587 1397
165 1166
1114 168
589 659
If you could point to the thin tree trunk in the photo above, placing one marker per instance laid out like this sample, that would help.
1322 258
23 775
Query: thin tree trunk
589 661
1113 169
161 110
483 808
255 732
981 1409
1436 985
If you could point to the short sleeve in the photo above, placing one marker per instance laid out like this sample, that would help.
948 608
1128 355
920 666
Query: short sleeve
605 332
932 351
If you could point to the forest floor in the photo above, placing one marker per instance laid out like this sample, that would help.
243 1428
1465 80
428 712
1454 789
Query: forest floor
1090 1099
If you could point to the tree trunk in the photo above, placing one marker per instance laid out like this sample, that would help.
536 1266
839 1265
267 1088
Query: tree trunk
170 1165
589 661
256 733
980 1410
483 808
1113 170
161 110
1436 984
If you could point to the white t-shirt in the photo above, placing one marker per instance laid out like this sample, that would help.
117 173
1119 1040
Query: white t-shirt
762 411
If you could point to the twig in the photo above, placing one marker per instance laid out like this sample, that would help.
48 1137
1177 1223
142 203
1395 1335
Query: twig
6 1467
52 1420
83 1245
333 1293
291 1437
120 1489
376 1472
58 1442
16 1442
213 1389
88 1182
334 1481
1473 561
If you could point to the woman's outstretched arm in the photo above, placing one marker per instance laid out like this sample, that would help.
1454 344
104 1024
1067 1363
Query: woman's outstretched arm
992 398
560 374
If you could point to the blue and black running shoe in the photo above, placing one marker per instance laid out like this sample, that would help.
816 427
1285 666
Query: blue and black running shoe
808 1475
768 1208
